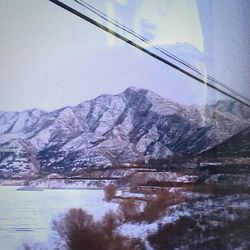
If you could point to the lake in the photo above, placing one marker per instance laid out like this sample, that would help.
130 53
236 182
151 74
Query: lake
27 215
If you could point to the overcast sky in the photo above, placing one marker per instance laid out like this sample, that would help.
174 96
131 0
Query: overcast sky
51 58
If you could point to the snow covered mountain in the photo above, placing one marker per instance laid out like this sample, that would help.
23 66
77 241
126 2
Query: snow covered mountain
112 129
238 146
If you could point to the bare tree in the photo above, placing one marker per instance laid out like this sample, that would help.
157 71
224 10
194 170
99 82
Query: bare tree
80 232
110 192
128 210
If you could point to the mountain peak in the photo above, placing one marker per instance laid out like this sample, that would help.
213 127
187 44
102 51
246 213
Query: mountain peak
133 88
111 128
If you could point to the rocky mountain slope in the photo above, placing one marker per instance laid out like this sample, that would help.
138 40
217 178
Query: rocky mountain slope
112 129
236 146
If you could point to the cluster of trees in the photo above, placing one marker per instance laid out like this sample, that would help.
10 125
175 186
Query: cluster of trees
78 230
153 207
198 232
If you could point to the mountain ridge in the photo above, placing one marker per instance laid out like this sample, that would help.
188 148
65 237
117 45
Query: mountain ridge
112 129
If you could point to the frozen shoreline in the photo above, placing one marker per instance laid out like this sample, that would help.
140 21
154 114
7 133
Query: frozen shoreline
57 184
12 182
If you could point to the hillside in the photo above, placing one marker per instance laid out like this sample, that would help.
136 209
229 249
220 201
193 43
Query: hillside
236 146
109 130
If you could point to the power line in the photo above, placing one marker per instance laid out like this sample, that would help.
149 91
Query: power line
128 30
123 38
163 51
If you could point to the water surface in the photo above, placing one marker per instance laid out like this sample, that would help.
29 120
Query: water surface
27 215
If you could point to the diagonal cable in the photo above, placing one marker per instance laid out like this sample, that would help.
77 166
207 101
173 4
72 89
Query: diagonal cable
136 45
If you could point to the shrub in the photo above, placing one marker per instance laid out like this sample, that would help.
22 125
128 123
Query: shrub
128 210
158 205
109 223
110 192
32 246
26 246
136 180
80 232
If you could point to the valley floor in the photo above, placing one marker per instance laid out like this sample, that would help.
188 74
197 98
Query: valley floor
177 208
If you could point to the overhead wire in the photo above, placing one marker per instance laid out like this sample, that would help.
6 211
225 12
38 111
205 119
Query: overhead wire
136 45
163 51
130 31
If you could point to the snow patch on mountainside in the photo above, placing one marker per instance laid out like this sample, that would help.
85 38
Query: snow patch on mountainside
134 125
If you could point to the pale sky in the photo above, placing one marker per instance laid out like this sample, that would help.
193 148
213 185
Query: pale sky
51 58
